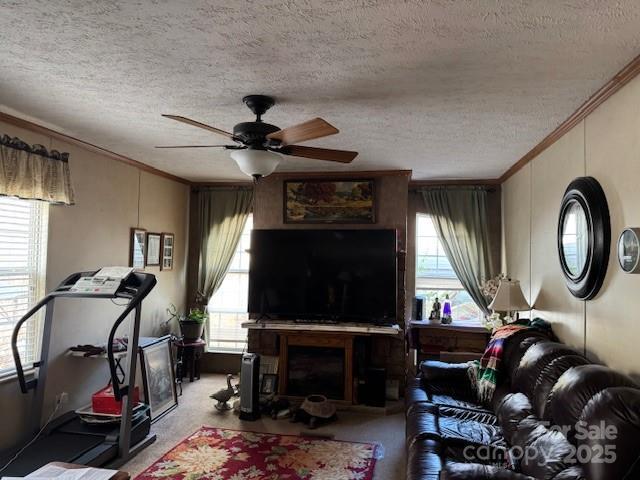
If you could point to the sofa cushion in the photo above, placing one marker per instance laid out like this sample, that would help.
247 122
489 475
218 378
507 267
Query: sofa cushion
572 473
575 388
514 408
455 401
527 431
548 378
547 456
481 416
514 348
466 427
533 362
428 421
461 452
467 471
617 412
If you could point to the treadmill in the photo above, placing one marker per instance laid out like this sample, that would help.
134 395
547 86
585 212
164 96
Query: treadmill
67 438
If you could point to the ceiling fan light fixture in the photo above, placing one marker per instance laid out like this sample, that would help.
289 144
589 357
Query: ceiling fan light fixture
256 163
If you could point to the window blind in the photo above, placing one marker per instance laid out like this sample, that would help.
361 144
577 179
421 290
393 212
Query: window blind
23 239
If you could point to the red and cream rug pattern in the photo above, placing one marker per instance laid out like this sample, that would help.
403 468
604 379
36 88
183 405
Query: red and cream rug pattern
221 454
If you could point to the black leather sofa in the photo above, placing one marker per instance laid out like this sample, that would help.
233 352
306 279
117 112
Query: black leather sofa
554 416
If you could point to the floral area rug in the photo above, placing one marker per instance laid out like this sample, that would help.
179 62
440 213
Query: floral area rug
220 454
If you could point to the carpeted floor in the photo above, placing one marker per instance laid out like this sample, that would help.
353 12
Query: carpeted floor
196 409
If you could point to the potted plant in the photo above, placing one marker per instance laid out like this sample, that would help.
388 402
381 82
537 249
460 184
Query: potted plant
191 325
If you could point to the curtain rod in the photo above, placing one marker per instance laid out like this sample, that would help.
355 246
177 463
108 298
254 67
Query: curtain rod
205 188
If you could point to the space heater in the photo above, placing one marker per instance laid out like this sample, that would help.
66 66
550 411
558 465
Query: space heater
249 387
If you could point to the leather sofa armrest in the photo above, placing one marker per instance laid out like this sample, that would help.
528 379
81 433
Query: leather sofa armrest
434 370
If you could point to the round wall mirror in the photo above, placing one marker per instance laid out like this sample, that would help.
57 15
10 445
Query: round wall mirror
575 238
629 250
584 237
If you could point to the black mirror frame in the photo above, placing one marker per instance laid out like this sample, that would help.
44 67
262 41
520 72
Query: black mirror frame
588 193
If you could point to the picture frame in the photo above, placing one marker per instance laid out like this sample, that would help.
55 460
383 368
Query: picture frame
137 248
154 241
158 377
350 201
269 384
167 249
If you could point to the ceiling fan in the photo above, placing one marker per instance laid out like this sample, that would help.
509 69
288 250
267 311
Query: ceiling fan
258 146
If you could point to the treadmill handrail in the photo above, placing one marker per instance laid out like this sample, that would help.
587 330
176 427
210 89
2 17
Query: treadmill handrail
24 387
148 281
146 284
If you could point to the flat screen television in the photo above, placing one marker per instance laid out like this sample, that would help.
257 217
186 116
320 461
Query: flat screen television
334 275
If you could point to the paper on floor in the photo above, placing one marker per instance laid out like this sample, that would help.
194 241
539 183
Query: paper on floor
53 472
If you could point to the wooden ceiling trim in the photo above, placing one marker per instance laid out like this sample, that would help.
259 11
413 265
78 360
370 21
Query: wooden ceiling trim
413 184
619 80
34 127
332 175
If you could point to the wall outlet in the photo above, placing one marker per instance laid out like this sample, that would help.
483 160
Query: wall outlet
62 398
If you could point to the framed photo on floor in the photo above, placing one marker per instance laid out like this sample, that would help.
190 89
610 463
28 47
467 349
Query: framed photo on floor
153 249
158 377
269 384
137 250
329 201
167 249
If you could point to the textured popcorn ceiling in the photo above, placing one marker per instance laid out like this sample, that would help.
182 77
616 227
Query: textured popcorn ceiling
449 89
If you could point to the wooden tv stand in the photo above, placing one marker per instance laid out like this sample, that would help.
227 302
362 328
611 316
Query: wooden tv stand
339 336
340 328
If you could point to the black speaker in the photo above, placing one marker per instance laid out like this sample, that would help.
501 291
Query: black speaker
249 387
376 388
418 308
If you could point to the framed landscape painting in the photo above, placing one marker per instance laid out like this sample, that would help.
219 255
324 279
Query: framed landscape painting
329 201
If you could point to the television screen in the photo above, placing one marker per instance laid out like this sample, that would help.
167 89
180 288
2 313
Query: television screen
341 275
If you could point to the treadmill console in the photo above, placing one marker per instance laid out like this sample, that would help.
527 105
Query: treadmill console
105 282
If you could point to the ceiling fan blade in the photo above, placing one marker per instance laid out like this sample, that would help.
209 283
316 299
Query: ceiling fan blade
302 132
342 156
188 121
196 146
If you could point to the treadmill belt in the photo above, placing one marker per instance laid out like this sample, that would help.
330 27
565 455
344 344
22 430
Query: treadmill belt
56 447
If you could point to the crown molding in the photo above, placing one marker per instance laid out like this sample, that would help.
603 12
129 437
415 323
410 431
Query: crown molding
619 80
34 127
332 175
413 184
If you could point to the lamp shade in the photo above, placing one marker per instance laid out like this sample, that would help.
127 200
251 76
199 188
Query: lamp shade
509 297
256 163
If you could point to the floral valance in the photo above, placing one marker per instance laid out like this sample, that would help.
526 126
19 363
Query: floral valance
33 172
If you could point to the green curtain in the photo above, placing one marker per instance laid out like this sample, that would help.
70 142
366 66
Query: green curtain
460 217
223 214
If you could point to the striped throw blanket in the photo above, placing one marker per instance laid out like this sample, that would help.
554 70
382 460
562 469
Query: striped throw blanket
484 373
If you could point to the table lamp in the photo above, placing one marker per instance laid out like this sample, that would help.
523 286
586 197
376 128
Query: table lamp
509 298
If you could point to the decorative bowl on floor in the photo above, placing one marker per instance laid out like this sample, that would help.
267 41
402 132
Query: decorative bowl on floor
318 406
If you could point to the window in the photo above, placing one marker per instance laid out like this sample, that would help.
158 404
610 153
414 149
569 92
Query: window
23 246
228 306
435 276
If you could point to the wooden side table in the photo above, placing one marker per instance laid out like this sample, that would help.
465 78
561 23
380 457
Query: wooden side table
189 354
431 339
